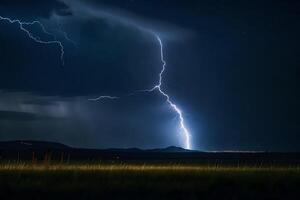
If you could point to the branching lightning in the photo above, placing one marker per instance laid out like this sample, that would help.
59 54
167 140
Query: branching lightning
158 88
22 26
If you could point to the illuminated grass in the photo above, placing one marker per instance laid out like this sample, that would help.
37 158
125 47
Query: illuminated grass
140 168
148 181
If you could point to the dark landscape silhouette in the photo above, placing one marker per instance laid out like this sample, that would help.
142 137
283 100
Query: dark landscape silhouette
27 150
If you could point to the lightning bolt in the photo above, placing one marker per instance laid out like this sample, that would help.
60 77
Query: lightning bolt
22 26
105 97
158 88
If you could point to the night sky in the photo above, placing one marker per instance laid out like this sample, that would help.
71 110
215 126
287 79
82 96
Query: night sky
232 69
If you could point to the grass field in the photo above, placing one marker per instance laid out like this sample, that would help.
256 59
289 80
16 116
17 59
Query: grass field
129 181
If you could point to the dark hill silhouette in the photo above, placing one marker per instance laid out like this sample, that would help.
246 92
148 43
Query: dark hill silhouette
171 149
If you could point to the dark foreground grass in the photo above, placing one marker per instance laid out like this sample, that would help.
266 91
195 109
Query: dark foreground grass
20 181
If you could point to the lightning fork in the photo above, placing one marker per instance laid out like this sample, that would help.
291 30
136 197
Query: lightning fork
34 38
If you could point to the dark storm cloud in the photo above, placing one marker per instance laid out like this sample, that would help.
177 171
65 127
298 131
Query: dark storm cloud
40 102
128 17
21 116
32 9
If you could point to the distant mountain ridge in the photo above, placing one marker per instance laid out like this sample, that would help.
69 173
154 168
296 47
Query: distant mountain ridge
34 144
